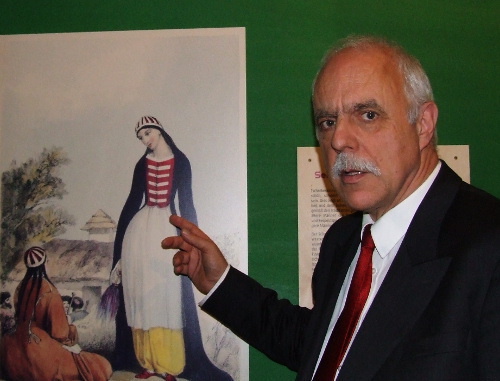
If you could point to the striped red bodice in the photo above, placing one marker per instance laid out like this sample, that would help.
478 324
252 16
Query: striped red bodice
159 175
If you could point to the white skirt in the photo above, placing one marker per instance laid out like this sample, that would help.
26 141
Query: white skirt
151 290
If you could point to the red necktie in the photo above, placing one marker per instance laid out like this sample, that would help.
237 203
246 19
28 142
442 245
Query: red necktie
348 319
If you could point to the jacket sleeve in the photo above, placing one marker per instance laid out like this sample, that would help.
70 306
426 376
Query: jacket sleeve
274 326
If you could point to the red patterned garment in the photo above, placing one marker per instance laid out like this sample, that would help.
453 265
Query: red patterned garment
159 176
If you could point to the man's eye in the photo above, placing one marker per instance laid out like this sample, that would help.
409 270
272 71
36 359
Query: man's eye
370 115
326 124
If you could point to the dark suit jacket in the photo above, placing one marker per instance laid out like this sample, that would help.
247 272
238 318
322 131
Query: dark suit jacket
435 317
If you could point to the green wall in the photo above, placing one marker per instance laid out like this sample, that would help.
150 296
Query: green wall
456 40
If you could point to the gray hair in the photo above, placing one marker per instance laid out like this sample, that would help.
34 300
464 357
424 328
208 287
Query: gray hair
417 86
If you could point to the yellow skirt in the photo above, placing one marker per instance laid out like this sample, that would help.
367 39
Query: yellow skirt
160 350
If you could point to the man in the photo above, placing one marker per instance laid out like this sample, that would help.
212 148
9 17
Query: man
432 307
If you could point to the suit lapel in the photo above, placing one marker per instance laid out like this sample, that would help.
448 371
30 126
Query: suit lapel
408 287
405 293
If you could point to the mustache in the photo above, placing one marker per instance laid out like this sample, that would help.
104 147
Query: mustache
349 162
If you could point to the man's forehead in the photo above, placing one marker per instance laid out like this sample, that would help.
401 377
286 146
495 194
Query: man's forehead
356 79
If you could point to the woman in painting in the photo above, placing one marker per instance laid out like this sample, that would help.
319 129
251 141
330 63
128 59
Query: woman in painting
157 314
44 346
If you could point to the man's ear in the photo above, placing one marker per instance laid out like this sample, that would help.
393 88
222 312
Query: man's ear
426 124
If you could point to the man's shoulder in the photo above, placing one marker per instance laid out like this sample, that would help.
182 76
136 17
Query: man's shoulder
475 195
451 201
476 206
471 225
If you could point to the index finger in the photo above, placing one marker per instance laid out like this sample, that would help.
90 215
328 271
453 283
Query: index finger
175 242
187 226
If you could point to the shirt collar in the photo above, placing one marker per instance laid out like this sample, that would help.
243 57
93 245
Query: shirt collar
392 226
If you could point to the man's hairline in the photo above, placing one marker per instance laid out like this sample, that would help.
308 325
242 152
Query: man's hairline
394 52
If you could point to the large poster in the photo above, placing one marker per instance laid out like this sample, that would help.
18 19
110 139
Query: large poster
72 107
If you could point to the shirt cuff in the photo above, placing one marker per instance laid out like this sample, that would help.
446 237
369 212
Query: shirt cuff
221 279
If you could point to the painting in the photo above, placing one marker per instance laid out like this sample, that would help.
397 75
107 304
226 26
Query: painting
103 135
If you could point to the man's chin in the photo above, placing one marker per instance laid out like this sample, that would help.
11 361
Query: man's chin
357 201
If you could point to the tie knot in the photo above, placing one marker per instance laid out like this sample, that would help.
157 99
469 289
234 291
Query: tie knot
367 240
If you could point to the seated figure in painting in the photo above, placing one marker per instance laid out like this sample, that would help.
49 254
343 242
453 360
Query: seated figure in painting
44 346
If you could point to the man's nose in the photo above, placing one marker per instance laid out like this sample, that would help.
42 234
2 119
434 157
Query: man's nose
343 136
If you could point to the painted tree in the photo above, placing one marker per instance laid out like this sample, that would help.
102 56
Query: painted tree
29 214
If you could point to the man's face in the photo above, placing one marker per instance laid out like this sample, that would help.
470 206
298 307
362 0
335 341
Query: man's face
361 115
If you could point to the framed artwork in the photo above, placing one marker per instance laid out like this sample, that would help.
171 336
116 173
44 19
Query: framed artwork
103 135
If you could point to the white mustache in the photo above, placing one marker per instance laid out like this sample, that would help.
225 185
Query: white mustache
349 162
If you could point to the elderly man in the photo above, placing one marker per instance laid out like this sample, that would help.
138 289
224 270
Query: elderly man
408 287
